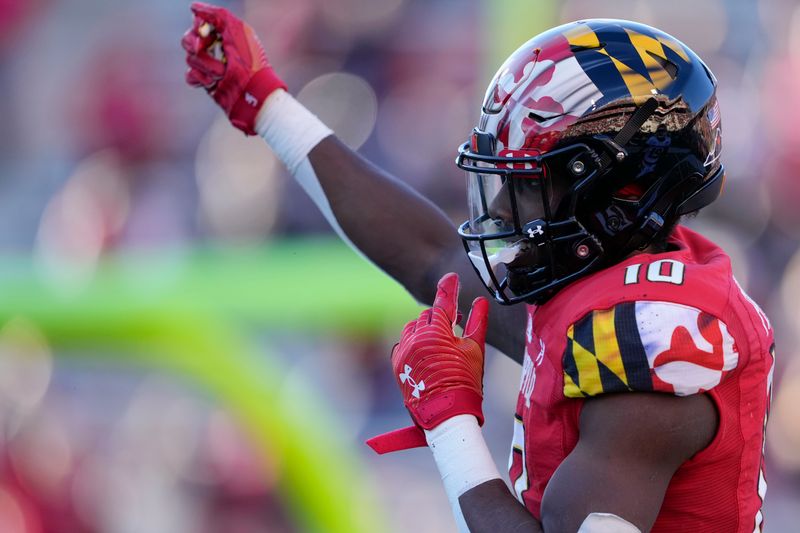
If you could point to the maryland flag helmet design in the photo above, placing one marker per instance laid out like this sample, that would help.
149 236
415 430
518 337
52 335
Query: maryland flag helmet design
594 138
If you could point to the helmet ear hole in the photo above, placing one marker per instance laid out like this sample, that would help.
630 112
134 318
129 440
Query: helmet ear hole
704 195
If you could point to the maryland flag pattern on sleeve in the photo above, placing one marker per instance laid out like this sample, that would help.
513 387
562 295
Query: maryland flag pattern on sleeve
647 346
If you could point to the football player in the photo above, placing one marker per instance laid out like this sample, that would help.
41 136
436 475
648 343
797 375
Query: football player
646 370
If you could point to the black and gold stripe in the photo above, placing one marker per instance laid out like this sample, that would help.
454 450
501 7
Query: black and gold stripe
646 63
604 354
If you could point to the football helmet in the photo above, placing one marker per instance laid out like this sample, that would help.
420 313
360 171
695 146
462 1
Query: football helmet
594 138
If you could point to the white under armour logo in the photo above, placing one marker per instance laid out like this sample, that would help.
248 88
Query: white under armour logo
406 376
250 99
538 231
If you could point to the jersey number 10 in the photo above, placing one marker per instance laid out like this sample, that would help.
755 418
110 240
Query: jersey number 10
661 271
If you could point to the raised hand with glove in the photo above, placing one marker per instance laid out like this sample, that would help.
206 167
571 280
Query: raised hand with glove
226 58
440 375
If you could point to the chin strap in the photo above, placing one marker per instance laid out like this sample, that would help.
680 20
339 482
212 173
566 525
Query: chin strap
615 148
655 221
615 151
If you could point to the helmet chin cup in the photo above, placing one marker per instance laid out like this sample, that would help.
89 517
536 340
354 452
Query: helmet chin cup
520 280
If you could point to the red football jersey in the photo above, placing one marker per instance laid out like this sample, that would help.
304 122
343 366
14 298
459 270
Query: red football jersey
675 322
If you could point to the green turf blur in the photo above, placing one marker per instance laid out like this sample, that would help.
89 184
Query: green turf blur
188 315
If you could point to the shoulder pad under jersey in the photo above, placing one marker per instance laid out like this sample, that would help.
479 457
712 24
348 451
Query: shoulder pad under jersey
647 346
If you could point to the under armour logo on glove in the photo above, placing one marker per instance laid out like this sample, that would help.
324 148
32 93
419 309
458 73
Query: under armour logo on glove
406 376
448 368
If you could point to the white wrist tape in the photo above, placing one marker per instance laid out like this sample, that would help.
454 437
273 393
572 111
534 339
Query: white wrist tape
462 457
607 523
289 128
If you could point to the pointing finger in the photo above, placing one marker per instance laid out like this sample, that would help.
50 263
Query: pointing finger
447 296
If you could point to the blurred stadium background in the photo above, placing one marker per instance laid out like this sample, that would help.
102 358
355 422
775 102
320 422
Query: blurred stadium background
184 345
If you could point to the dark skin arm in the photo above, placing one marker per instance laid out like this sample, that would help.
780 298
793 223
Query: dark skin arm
629 448
406 235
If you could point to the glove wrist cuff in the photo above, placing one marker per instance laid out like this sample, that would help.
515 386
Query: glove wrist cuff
244 112
429 413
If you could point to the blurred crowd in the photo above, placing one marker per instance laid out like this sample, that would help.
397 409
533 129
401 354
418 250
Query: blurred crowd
105 149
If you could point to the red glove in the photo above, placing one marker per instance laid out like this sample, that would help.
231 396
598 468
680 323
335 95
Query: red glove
226 58
439 374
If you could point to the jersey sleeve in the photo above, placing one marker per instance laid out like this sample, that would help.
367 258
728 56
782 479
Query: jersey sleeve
647 346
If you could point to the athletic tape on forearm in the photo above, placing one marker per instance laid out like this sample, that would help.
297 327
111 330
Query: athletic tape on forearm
462 457
289 128
292 131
